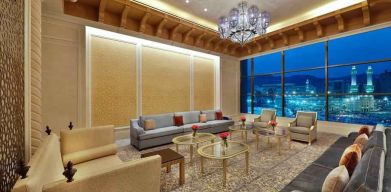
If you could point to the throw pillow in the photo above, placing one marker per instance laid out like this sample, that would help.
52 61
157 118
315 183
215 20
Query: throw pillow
365 130
361 140
219 115
336 180
203 118
149 124
350 157
304 121
178 120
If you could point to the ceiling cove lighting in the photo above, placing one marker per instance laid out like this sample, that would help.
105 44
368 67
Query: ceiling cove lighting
243 24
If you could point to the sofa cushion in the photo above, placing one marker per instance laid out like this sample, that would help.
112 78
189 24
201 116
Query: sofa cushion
351 157
203 118
267 115
361 140
304 121
161 132
178 120
261 124
306 181
377 139
162 120
368 174
88 168
387 164
90 154
336 180
149 124
86 138
190 117
217 123
210 114
301 130
330 158
187 127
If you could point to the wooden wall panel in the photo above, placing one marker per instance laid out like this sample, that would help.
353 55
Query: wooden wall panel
113 82
204 82
165 81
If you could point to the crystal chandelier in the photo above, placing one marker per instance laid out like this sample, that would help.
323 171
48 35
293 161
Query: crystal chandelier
243 24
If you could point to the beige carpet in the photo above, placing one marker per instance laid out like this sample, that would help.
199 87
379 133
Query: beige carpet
268 170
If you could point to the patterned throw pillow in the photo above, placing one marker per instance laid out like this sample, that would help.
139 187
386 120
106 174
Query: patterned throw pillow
219 115
336 180
364 129
361 140
203 118
178 120
149 124
350 157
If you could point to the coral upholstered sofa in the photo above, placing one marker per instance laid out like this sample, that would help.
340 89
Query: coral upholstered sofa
93 152
165 130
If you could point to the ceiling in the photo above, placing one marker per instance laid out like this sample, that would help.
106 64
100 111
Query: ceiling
282 11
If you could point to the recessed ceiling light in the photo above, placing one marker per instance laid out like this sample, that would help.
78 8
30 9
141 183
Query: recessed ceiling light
187 1
205 9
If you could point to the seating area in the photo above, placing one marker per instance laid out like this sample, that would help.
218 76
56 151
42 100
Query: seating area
195 95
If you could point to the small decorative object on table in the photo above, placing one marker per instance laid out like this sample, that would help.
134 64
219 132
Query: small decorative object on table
48 130
195 129
70 126
69 171
273 123
21 168
243 120
224 137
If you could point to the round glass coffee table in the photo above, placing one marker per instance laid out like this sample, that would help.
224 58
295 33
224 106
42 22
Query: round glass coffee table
218 151
190 141
269 133
240 128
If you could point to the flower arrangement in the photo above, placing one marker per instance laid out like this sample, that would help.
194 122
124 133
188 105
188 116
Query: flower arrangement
243 120
273 123
195 129
224 137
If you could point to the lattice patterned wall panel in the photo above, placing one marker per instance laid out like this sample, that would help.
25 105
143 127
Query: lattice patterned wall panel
11 90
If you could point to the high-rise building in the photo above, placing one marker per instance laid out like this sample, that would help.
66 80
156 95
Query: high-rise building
369 87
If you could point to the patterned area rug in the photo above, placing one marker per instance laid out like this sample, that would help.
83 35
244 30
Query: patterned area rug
268 171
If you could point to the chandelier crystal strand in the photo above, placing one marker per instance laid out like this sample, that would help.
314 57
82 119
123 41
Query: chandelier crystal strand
243 24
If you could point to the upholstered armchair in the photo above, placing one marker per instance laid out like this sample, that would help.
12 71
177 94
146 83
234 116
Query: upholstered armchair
304 127
263 120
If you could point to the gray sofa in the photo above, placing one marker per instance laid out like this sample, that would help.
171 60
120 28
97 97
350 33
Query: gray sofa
373 172
165 129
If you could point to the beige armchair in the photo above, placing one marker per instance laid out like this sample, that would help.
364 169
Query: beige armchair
266 116
304 127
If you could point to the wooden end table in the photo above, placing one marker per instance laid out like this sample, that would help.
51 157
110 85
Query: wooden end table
170 157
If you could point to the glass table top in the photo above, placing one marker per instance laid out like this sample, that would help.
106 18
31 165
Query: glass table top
218 151
270 133
189 139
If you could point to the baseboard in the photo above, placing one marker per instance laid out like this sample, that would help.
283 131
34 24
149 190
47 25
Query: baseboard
122 133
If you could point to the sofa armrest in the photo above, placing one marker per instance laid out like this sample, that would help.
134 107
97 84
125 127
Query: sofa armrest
293 123
137 176
135 129
227 118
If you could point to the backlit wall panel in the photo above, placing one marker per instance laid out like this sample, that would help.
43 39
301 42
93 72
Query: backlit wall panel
204 82
165 81
113 82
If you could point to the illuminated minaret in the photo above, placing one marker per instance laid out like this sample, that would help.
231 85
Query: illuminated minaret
307 86
353 85
369 86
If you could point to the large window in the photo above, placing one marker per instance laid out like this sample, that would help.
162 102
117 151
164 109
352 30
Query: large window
346 79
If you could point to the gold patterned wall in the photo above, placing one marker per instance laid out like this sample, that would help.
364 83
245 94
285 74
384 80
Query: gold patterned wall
11 90
204 75
113 82
165 81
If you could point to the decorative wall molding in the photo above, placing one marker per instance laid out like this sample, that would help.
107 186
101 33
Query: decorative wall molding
140 43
